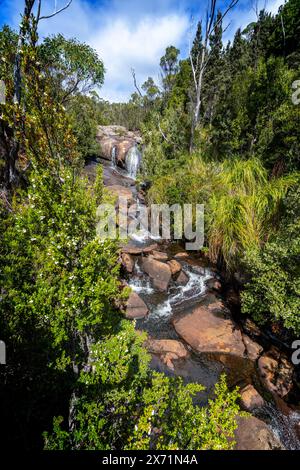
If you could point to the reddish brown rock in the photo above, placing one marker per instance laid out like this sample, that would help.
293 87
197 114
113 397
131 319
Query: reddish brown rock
208 330
254 434
149 249
136 307
159 272
128 262
163 346
138 250
168 350
233 297
181 255
160 255
276 372
116 139
174 266
214 284
182 279
117 191
253 349
250 398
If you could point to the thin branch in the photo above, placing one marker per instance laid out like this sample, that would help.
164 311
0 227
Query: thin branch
56 12
283 31
135 83
38 16
162 133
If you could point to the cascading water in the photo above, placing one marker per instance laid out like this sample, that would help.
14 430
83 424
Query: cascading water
132 161
163 305
114 157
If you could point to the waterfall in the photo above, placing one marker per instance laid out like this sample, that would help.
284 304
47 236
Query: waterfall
114 157
132 161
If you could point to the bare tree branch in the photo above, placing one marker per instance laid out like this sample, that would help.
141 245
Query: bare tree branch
56 12
203 57
162 133
135 83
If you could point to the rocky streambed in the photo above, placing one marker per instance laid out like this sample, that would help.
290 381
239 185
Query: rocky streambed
179 299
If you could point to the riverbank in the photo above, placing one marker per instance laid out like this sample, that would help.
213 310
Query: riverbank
194 330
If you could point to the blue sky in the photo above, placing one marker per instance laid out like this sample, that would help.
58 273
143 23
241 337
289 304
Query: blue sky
130 33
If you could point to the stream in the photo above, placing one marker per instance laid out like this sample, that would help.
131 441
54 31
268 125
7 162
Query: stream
164 305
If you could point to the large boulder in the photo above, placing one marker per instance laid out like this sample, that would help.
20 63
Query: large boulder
128 262
250 398
117 140
182 279
276 372
160 255
174 266
117 191
139 250
253 349
136 307
168 350
159 272
254 434
164 346
208 329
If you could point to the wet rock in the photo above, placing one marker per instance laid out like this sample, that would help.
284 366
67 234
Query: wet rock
167 350
214 284
250 398
159 272
128 262
182 279
207 329
160 256
163 346
233 297
138 250
181 255
132 211
117 138
141 197
174 266
150 249
254 434
276 372
136 307
253 349
251 328
120 191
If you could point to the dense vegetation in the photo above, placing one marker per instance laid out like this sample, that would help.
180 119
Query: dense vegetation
71 355
242 158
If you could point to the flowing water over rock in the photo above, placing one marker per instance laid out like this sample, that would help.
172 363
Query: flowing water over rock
132 161
163 305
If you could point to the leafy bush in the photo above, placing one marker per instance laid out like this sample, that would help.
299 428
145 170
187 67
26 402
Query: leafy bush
273 294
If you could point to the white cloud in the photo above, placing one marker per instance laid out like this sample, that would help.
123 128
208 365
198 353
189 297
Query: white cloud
132 33
124 46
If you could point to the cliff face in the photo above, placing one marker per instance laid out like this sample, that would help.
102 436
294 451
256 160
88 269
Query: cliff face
116 141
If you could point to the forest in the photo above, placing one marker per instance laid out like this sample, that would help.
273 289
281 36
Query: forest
221 127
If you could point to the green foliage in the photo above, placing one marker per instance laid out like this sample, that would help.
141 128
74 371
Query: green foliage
273 292
85 116
54 271
241 203
72 67
169 66
143 409
242 209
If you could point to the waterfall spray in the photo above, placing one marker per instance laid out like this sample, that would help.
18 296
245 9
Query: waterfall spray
114 157
132 161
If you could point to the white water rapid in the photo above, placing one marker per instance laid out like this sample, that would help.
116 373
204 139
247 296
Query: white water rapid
132 161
